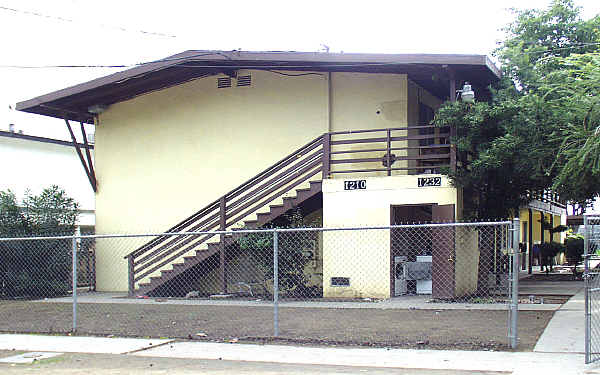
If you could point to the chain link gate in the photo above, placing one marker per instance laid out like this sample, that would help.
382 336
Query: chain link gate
592 288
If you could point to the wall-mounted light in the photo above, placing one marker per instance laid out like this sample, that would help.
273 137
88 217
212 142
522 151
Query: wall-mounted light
466 94
97 109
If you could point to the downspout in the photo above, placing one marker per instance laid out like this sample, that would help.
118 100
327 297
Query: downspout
329 101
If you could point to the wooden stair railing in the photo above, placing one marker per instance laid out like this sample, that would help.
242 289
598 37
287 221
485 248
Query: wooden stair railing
230 209
325 154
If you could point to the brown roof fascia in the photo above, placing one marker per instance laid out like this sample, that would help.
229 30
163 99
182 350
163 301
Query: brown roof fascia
98 82
328 57
225 58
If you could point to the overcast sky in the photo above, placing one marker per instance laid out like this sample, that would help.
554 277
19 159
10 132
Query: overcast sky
126 32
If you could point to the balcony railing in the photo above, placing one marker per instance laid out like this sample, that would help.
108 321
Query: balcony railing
408 150
547 196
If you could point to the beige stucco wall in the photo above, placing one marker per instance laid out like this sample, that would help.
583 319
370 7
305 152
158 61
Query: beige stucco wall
367 101
467 260
357 97
364 256
162 156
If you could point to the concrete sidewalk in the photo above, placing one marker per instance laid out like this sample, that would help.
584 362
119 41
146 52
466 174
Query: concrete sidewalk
76 344
512 362
420 302
566 330
558 351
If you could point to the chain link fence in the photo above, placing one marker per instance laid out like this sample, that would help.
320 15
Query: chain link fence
450 285
592 288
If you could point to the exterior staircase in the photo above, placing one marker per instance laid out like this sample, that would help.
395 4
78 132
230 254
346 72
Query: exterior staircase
257 202
286 184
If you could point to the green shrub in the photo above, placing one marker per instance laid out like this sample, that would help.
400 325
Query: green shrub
551 249
293 281
548 251
574 250
36 268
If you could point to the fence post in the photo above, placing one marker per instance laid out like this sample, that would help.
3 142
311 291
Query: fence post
222 227
586 244
130 278
275 283
514 306
74 249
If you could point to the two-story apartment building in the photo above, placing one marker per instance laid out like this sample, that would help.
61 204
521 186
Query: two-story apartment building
208 140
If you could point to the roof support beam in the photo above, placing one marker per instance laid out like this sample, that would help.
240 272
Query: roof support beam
88 154
89 169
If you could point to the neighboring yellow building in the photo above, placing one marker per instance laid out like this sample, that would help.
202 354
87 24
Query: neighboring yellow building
547 208
346 136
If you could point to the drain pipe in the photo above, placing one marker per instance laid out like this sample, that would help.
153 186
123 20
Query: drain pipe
329 101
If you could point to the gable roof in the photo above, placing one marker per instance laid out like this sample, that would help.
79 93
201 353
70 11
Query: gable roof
430 71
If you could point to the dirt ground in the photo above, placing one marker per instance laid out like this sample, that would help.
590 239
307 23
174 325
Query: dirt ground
557 277
433 329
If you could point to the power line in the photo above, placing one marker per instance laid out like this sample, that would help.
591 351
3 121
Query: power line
218 53
63 19
193 64
212 65
579 45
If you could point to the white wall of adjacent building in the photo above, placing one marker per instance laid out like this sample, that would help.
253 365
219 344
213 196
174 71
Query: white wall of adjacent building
34 166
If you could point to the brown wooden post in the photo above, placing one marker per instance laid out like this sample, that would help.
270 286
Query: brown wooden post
452 149
222 226
326 154
389 152
452 84
131 282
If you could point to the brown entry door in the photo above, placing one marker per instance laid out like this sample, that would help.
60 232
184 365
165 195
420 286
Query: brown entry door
443 253
406 244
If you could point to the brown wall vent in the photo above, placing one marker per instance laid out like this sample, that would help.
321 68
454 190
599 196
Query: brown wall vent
244 81
223 82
